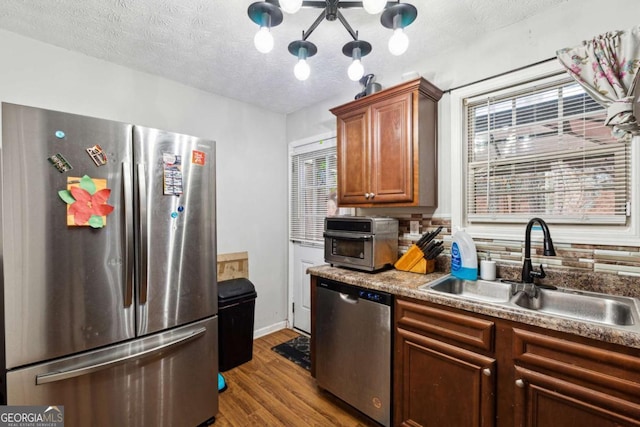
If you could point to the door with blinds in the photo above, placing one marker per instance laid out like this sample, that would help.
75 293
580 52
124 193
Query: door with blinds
312 197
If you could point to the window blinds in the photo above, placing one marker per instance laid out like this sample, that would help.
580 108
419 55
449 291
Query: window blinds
544 151
313 193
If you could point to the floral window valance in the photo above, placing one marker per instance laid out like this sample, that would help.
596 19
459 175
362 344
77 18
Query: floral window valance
607 68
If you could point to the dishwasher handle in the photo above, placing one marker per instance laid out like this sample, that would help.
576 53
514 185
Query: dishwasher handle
350 299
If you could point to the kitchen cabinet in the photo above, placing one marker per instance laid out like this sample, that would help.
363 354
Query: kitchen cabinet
455 367
386 147
444 368
458 368
561 382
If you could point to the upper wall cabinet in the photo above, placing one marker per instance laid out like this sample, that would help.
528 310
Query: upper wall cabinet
387 147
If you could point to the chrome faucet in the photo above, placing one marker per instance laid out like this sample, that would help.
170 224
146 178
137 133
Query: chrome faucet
528 273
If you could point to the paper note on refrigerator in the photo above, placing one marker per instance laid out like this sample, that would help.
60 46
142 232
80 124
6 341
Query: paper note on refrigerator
172 174
86 200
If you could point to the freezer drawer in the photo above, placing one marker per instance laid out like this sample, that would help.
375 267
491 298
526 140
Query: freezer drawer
168 379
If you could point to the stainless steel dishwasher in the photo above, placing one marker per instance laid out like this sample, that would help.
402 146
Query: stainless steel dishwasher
353 346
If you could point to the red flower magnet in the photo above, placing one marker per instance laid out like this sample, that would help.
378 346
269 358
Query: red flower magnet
86 204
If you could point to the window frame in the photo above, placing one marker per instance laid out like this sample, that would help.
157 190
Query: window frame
619 235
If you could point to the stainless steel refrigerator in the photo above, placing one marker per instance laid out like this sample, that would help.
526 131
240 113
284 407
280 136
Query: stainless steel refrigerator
109 298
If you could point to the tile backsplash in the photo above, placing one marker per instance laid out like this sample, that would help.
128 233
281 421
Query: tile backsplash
601 268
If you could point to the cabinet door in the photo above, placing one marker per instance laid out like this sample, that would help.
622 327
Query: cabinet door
564 383
442 385
543 400
353 157
392 156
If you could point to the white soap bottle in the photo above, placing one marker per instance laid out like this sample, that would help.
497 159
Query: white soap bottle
464 259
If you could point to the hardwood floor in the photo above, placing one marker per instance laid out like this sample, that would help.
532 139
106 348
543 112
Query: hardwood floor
273 391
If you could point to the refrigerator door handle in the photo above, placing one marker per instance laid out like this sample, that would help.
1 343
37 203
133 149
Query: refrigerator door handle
142 204
72 373
128 233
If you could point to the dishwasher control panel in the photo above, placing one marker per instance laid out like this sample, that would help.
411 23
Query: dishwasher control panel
372 295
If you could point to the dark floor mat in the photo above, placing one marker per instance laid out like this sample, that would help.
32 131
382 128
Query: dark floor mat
297 350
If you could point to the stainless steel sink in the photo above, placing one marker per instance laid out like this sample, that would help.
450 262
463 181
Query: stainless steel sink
585 306
594 307
481 290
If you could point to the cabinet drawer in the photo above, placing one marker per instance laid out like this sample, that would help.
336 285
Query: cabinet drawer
601 369
452 327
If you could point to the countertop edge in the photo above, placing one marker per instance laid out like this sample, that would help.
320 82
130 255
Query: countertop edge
406 284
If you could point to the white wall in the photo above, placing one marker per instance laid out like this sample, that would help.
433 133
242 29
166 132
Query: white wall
524 43
251 148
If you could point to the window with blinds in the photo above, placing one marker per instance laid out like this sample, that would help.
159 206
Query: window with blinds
313 193
544 150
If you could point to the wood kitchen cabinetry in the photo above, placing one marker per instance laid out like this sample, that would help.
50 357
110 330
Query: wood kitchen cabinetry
560 382
444 368
387 147
455 368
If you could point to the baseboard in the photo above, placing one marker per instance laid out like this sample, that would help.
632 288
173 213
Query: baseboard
270 329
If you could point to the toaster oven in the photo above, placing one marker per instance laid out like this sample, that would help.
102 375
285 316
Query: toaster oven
367 243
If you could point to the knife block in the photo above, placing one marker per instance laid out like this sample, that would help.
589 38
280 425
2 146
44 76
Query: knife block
413 260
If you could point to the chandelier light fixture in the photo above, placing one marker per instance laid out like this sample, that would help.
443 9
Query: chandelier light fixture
395 16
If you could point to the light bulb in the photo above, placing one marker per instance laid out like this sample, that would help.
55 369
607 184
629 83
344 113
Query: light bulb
263 40
290 6
356 70
302 70
372 6
399 42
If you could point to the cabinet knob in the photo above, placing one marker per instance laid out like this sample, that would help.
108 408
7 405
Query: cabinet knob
367 195
486 372
520 383
372 195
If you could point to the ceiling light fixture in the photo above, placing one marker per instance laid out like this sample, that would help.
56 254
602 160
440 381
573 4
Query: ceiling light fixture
303 50
374 6
395 15
290 6
266 15
356 49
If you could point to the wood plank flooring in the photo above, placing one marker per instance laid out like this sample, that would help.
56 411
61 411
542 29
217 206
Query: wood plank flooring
273 391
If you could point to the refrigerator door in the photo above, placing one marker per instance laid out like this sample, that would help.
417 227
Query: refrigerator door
66 288
175 193
165 380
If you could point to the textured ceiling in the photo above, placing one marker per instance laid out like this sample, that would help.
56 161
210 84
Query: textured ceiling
208 44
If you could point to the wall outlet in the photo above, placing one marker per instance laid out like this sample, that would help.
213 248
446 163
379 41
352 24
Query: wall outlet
414 227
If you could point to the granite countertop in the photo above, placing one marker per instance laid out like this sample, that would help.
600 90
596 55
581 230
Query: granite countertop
406 284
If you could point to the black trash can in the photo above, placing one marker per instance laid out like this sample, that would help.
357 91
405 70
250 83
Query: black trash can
236 312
